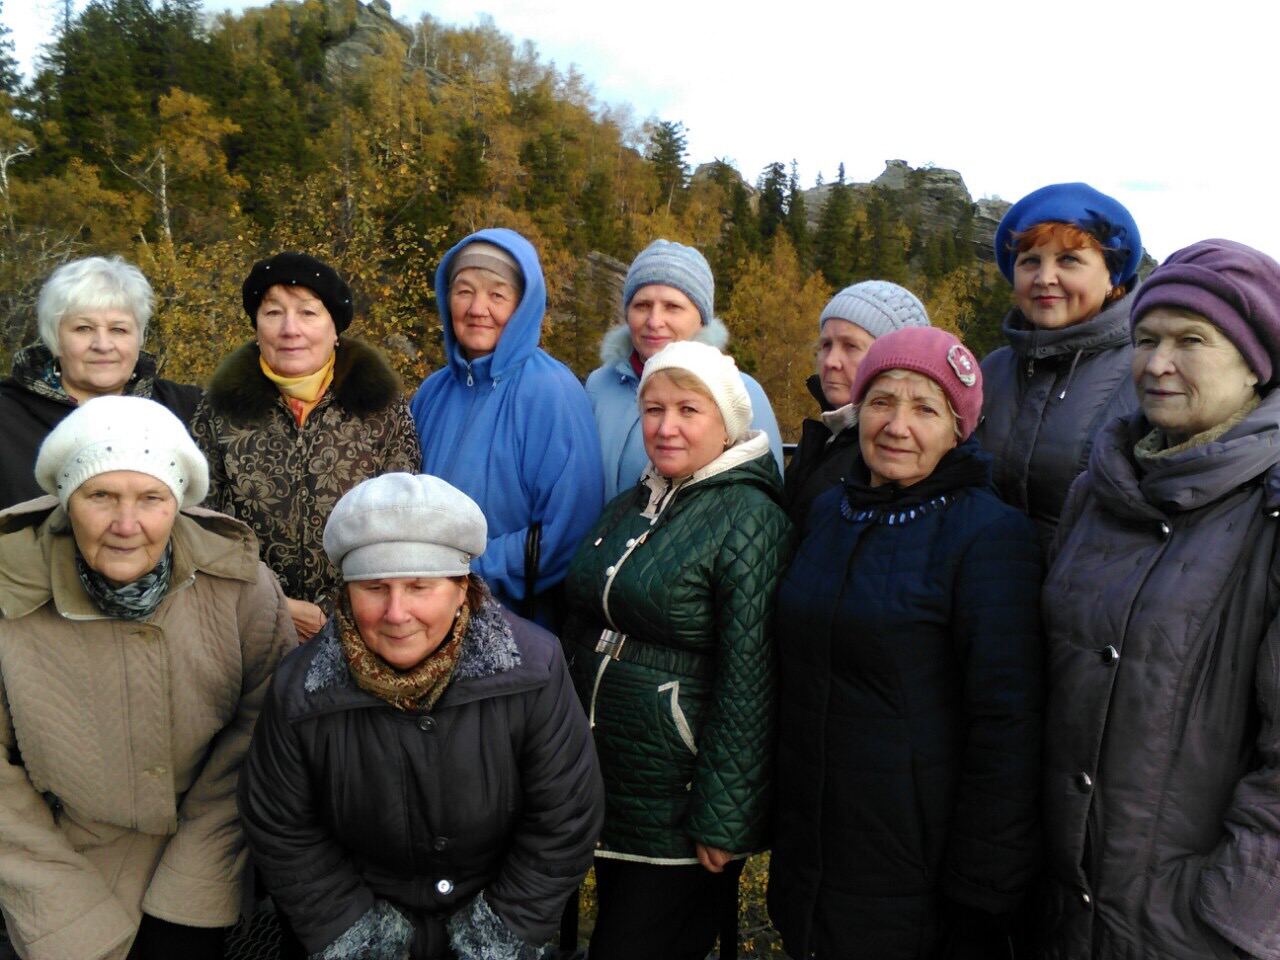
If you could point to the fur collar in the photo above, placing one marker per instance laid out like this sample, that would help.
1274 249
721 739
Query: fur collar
489 648
616 344
363 382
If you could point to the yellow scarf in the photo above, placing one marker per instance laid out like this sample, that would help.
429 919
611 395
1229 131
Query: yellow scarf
301 393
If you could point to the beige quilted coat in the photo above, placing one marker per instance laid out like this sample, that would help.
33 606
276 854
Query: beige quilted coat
130 735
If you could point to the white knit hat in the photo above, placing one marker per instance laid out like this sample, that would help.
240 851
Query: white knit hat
404 525
122 433
718 373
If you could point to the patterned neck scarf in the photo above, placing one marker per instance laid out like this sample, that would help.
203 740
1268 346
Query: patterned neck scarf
301 393
134 601
416 689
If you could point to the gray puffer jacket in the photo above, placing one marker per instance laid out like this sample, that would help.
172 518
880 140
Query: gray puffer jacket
1047 395
1162 775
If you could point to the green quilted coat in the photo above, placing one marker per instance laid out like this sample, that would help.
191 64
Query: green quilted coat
690 566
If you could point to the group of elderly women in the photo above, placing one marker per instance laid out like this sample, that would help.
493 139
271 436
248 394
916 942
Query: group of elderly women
952 753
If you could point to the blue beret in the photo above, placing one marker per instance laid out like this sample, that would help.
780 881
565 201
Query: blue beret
1103 217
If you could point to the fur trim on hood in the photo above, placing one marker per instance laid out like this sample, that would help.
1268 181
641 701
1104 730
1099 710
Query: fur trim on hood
616 344
363 382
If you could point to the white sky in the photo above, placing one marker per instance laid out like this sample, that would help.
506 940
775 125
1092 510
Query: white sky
1169 106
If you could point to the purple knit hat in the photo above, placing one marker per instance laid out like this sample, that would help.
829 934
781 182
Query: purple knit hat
936 354
1233 286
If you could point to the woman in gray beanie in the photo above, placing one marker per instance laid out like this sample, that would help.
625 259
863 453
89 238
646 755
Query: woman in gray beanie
852 321
422 783
137 641
669 296
1162 773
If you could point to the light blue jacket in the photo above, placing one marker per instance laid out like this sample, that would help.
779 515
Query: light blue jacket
613 389
513 431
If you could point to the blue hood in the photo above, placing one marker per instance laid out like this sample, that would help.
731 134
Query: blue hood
523 331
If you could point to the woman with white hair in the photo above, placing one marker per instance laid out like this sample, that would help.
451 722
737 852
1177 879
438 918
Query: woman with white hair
92 317
137 641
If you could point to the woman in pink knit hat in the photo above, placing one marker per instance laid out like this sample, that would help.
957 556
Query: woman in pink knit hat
910 682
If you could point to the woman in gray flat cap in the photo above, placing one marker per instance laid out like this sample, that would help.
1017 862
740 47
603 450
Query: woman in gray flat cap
422 783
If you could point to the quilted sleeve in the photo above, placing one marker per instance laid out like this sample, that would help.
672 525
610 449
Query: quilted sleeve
731 799
1238 894
197 882
994 848
54 901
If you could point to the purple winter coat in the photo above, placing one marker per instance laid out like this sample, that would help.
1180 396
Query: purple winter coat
1162 774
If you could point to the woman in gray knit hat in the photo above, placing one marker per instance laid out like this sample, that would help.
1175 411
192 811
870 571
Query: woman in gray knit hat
423 783
852 321
669 295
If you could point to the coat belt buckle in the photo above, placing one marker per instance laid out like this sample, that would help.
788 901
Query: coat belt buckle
611 642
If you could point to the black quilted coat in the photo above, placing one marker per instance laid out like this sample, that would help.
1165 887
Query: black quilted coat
911 691
496 792
690 568
820 461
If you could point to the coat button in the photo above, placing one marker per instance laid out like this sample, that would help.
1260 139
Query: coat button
439 843
444 886
631 542
1165 531
609 571
1086 899
157 770
426 724
1109 655
1084 782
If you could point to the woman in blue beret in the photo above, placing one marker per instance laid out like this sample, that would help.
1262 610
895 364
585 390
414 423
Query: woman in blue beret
1072 255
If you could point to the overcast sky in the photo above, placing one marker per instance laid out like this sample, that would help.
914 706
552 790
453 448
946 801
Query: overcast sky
1168 106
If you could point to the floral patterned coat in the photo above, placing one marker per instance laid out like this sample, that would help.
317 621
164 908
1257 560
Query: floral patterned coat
283 479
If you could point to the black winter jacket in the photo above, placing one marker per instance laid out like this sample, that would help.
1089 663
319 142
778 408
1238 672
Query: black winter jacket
495 791
1046 396
909 739
819 462
30 407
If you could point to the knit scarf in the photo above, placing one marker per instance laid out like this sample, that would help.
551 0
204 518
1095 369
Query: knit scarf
416 689
134 601
301 393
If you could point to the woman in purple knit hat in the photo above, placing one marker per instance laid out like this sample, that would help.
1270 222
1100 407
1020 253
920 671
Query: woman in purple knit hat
1162 607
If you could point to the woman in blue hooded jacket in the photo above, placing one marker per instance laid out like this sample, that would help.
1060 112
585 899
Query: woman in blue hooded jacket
505 422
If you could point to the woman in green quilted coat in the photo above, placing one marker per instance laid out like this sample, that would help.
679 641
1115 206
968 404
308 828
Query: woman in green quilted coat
669 642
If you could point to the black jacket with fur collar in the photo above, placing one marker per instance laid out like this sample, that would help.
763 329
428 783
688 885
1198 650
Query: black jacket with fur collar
283 478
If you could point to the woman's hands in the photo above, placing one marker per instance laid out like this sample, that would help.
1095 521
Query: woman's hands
713 859
307 618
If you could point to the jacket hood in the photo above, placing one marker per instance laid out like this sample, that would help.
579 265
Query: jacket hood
520 336
38 556
1190 479
363 382
1108 330
616 345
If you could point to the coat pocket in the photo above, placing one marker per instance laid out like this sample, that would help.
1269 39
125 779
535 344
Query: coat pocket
671 710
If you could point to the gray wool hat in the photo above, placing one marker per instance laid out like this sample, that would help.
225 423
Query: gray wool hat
404 525
673 265
877 306
122 433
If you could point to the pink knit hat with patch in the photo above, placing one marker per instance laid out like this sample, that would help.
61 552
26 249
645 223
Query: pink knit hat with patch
936 354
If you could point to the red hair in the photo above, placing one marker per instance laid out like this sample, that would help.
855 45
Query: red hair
1069 237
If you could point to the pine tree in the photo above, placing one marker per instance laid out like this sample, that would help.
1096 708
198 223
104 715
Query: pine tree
833 248
798 220
667 150
10 79
772 201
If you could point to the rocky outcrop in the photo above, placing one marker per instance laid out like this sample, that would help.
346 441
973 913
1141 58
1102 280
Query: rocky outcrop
359 31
